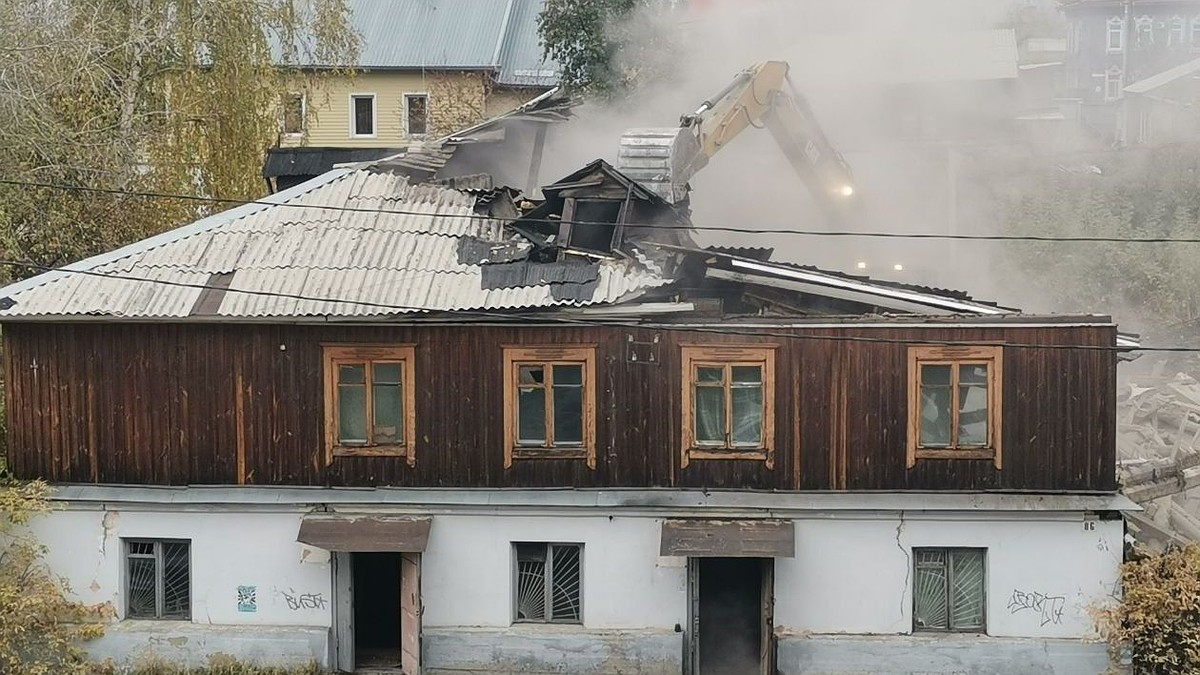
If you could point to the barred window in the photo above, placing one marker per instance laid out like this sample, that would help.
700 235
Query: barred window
548 583
158 579
948 589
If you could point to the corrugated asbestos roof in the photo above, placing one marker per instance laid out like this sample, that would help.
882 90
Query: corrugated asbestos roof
295 260
494 35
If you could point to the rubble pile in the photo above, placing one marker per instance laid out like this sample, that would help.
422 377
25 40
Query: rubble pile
1158 456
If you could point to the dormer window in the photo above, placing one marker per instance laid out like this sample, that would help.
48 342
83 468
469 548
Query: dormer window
591 224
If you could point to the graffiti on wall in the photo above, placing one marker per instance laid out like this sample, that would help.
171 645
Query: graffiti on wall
247 598
302 601
1048 607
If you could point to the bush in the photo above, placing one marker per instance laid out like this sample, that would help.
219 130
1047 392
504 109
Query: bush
1159 619
40 629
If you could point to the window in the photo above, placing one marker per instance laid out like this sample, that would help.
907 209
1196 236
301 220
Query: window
550 403
548 585
369 400
954 403
729 403
416 114
1113 84
294 110
1144 28
1116 34
586 224
1073 30
1196 33
948 589
1178 33
158 579
362 115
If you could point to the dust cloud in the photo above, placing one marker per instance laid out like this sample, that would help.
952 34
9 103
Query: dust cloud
902 88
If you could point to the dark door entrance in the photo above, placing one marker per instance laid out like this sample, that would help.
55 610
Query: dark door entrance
376 610
732 607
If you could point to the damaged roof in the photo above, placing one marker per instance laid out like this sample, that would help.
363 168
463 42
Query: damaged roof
382 247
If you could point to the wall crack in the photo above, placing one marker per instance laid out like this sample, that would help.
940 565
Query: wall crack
908 563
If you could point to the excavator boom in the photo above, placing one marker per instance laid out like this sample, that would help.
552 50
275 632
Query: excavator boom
762 96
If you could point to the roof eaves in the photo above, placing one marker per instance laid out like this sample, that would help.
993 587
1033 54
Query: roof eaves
198 227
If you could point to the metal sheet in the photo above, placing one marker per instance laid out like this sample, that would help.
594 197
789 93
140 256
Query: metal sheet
728 538
365 534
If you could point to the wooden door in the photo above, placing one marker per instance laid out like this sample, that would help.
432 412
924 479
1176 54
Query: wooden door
691 653
410 613
767 655
343 612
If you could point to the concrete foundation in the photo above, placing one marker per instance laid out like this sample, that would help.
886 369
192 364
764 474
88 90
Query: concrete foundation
539 650
180 643
948 654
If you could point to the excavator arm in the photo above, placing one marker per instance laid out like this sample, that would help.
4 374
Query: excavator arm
760 96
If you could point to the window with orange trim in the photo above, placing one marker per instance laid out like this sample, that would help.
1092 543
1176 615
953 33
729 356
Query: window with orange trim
954 402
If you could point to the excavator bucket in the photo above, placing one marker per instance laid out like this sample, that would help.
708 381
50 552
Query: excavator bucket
661 159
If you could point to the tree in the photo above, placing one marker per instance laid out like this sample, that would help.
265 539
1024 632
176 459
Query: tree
40 629
169 96
606 47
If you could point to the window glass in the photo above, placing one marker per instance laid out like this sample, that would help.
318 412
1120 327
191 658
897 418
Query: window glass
973 404
157 580
1116 34
352 404
389 403
966 590
710 415
568 404
935 405
747 406
930 604
364 115
531 416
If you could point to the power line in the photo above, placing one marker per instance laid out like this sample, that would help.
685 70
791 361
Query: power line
600 322
557 221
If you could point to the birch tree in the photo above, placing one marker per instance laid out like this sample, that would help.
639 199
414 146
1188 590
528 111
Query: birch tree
167 96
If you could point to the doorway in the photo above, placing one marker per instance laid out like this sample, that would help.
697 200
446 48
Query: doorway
378 617
732 616
376 610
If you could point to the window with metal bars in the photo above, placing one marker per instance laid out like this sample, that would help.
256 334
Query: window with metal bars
949 590
158 579
548 584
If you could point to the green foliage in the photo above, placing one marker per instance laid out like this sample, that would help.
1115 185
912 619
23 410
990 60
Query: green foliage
40 629
1137 194
1159 618
607 47
176 96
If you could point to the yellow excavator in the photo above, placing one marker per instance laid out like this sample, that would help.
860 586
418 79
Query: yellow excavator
664 160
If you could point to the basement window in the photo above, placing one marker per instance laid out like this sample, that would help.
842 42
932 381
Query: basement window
158 579
549 403
549 583
369 400
728 403
949 589
954 403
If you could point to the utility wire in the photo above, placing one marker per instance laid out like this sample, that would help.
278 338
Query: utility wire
525 317
557 221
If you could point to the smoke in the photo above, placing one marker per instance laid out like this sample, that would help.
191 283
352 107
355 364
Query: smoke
909 91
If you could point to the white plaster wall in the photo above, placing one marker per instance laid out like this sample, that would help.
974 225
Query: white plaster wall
854 575
228 550
466 573
850 575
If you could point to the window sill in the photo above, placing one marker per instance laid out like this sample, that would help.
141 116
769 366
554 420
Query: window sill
949 453
370 451
524 452
363 136
758 454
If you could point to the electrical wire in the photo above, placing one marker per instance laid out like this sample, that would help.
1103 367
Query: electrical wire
557 221
525 317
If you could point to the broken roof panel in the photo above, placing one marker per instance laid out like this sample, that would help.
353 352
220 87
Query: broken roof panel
382 247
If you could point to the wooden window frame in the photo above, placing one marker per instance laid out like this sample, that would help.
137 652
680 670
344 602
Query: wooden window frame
955 356
516 356
335 355
727 356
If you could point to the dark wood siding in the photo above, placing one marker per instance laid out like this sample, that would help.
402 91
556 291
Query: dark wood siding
159 404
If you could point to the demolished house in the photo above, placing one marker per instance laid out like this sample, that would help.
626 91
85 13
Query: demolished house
409 419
